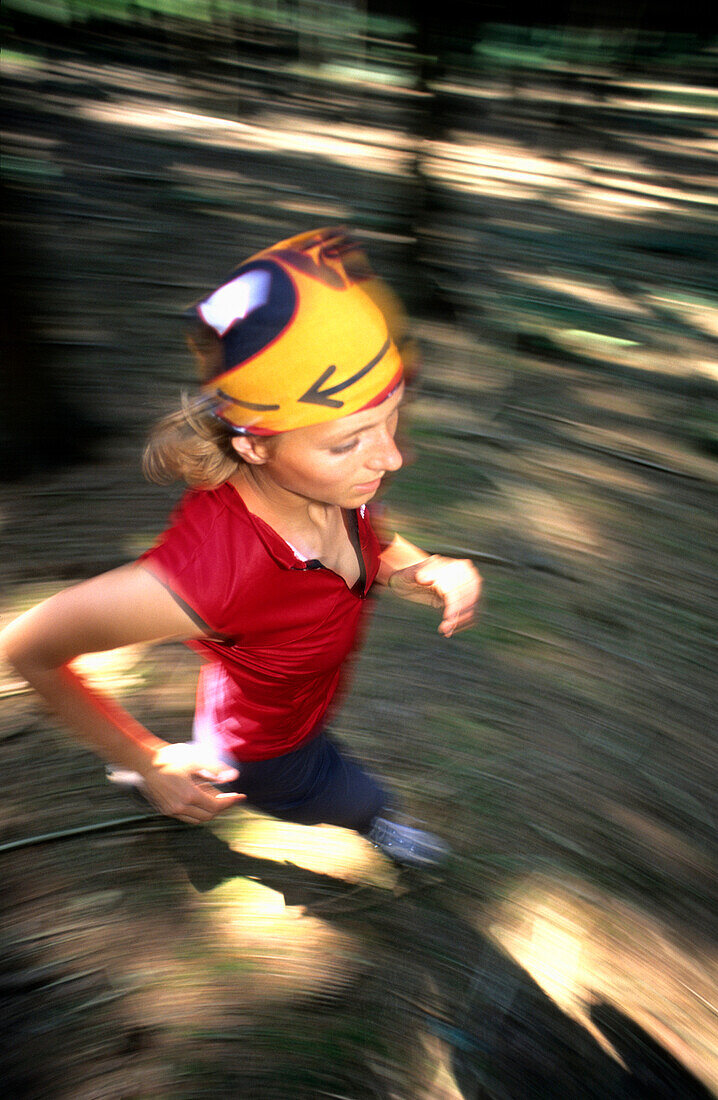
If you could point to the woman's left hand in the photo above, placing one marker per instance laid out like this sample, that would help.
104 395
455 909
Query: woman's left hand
453 584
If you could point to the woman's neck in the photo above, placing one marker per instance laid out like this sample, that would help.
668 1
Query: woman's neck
312 528
299 520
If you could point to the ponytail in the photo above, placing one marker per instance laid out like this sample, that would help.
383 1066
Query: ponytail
191 445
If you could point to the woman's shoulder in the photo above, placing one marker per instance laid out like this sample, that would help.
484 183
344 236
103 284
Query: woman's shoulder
206 555
205 506
206 517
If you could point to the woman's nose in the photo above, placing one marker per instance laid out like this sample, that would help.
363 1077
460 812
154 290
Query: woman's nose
387 455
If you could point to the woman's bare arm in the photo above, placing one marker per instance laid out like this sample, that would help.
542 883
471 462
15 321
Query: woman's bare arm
399 554
123 607
452 584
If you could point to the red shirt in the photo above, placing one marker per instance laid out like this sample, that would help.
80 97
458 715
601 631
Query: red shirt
280 627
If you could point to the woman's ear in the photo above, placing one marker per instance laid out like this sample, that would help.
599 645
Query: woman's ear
251 448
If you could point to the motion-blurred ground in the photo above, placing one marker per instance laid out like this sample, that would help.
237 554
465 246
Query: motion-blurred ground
554 231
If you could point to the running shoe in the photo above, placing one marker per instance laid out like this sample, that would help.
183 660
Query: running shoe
406 845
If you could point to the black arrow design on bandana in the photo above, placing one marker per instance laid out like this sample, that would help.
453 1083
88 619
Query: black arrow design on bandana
315 395
247 404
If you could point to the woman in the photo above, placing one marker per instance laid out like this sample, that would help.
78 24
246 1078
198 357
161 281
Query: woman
267 564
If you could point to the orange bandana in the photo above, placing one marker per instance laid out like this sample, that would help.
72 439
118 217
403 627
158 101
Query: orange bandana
301 333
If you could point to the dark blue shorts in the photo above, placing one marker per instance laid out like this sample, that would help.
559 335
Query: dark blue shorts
316 784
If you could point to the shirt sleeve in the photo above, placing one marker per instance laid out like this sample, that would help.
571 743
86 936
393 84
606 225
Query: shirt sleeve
197 560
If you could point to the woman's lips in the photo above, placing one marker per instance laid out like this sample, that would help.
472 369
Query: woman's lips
369 486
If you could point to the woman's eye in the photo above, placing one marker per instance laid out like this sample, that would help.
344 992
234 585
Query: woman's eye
343 448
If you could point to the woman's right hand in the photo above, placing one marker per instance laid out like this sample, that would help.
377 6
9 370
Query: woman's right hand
180 783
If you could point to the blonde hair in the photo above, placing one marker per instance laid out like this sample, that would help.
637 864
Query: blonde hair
191 445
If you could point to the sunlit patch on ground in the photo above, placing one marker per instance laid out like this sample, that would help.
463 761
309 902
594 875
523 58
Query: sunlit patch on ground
581 947
324 849
115 670
594 293
286 951
510 170
709 368
618 402
24 597
280 948
379 150
443 1084
552 521
137 543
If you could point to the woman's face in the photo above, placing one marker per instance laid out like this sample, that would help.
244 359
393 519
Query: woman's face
341 461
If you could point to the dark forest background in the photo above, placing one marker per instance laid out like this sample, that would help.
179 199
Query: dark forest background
540 186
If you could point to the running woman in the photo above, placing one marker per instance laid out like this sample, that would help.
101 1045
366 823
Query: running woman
267 563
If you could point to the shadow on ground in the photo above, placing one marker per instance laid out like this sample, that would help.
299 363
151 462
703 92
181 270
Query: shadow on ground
507 1039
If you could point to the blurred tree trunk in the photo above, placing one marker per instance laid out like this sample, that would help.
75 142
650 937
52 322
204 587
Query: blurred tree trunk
39 426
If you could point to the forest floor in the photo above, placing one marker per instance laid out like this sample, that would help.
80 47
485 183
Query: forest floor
563 432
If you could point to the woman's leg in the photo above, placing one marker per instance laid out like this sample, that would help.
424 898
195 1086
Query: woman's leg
316 784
